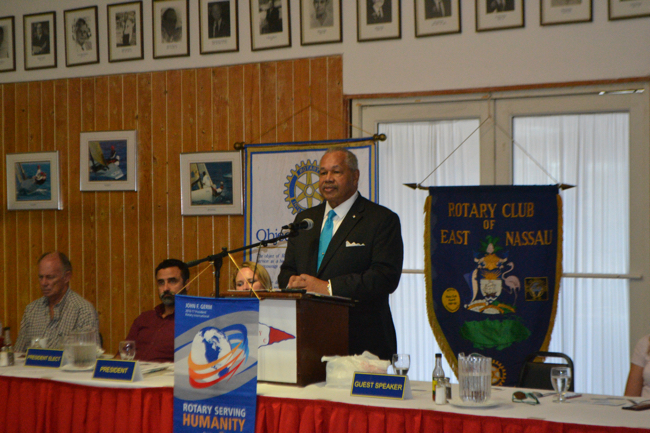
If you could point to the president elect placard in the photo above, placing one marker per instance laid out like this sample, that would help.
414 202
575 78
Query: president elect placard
215 364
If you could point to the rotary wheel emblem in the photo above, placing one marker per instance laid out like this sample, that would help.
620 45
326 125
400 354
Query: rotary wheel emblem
498 373
302 187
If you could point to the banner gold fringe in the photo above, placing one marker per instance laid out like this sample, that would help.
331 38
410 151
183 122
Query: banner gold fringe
450 356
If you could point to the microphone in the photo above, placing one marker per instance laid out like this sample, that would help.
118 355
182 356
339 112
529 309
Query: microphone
306 224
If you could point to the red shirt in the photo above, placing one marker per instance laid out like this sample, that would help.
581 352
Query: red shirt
153 335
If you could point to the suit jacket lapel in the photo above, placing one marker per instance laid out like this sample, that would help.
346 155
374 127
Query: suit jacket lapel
351 219
314 237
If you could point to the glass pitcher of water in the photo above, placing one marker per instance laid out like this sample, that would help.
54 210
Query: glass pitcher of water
81 348
475 377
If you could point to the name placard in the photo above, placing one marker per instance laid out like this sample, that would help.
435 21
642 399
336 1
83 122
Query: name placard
44 358
381 386
119 370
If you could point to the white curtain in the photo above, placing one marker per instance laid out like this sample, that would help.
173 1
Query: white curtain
409 154
590 151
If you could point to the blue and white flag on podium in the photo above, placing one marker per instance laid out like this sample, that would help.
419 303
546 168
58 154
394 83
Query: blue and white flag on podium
215 364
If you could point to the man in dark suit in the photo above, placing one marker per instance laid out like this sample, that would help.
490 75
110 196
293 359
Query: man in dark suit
437 8
219 20
363 261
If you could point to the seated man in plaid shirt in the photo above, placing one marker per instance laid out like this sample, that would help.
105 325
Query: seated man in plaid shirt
60 311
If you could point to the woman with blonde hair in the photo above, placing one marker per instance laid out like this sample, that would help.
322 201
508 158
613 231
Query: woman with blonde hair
638 381
244 279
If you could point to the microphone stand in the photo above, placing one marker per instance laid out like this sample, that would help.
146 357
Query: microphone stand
217 259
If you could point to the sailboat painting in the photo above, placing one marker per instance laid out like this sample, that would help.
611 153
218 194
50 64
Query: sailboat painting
211 183
108 161
33 181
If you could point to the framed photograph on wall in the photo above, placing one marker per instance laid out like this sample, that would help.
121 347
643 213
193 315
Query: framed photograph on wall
33 181
623 9
320 22
565 11
7 44
171 35
108 161
219 26
125 31
378 20
40 40
436 17
270 24
81 42
499 14
211 183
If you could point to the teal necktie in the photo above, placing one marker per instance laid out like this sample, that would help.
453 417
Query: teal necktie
325 236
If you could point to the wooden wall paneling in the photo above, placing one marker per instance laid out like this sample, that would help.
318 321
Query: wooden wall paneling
116 229
318 98
131 287
174 146
146 131
10 306
269 102
302 99
74 206
49 228
102 289
337 127
3 218
285 103
60 104
88 199
35 218
188 144
203 285
23 218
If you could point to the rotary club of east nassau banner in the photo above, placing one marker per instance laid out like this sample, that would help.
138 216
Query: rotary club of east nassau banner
492 269
215 364
281 181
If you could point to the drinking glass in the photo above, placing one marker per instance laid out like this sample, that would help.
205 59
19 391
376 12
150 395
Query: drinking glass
401 363
127 349
561 380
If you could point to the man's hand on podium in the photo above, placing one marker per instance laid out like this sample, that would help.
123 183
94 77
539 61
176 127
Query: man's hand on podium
309 283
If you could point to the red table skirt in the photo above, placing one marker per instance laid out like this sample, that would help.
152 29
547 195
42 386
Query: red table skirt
39 405
281 415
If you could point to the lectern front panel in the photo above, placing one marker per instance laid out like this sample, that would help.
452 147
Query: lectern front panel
277 341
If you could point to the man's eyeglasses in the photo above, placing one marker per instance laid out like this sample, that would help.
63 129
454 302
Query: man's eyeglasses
524 397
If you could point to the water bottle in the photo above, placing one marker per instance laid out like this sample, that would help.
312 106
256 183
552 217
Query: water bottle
438 373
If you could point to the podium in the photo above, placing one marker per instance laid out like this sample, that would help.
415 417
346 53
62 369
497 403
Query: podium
296 330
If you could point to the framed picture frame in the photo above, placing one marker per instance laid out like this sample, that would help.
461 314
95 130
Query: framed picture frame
211 183
7 44
33 181
565 11
270 24
108 161
171 35
378 20
499 14
320 22
81 41
125 31
624 9
40 40
436 17
219 26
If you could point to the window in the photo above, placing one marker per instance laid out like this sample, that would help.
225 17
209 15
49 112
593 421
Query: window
597 142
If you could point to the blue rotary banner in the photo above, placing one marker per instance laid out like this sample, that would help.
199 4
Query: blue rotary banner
215 364
493 266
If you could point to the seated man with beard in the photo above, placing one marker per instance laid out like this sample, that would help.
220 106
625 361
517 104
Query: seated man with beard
153 330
